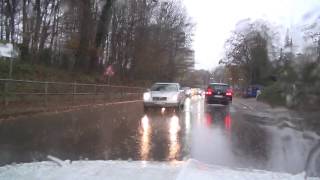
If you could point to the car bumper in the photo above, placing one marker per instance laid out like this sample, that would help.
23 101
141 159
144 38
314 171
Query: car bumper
161 104
215 100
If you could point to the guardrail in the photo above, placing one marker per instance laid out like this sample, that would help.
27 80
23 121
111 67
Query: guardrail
24 95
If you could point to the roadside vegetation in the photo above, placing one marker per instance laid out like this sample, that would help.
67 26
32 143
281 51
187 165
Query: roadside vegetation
257 53
76 40
26 71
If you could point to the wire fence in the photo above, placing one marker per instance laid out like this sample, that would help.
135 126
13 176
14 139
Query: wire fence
19 96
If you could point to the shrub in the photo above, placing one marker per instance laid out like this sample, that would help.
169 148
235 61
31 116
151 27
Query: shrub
274 95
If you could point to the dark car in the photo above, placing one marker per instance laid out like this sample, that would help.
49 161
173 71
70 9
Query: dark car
187 91
218 93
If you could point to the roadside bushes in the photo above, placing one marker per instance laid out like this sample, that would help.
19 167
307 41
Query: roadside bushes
273 95
302 93
308 86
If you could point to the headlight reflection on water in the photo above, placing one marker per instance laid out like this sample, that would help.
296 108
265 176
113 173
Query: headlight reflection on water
188 122
174 128
145 123
200 113
174 125
163 110
187 105
145 138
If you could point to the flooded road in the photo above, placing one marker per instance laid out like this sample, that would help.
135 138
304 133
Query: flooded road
220 135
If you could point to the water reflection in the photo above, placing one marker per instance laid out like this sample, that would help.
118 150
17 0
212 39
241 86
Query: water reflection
187 105
227 122
162 142
145 138
210 142
163 110
220 115
174 128
200 112
208 120
187 122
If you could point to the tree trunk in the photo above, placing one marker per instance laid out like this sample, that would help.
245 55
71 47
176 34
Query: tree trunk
55 24
102 31
25 32
10 11
12 19
45 25
44 36
2 20
7 29
36 31
82 54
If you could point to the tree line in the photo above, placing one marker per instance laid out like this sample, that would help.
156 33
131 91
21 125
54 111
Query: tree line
141 39
256 53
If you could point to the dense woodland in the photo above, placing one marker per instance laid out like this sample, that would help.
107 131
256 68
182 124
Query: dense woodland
141 39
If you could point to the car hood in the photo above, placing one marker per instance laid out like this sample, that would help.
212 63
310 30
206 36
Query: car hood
138 170
163 93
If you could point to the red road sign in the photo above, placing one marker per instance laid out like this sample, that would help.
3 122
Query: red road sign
109 71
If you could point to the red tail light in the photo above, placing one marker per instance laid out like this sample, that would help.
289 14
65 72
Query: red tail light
209 91
229 92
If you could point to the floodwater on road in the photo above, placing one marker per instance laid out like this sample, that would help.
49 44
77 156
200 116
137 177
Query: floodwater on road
214 134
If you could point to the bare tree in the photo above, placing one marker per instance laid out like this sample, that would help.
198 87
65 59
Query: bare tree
249 49
142 39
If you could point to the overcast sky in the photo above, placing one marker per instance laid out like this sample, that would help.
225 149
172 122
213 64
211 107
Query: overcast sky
215 19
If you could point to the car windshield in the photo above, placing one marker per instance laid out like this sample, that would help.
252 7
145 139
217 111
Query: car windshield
164 87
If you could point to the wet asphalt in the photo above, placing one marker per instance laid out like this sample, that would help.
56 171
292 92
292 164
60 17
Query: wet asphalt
214 134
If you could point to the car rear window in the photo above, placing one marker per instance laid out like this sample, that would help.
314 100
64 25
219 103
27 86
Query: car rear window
219 87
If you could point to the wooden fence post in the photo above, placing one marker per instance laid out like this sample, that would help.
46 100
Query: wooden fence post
94 93
74 93
104 94
46 94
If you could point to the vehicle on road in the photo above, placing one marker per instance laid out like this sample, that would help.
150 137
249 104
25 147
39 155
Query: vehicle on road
218 93
252 91
187 91
164 95
198 91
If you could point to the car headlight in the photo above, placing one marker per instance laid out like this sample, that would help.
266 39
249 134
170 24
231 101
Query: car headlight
175 97
146 96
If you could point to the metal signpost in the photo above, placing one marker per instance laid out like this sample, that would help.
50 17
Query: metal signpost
7 51
109 72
